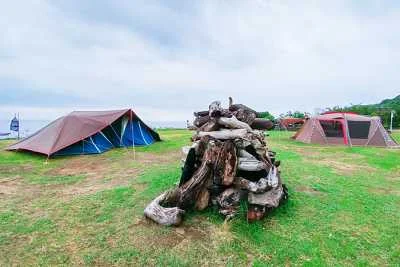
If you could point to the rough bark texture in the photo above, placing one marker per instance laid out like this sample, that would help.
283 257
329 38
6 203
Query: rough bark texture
201 113
262 124
203 199
189 168
189 191
245 116
200 121
210 126
225 167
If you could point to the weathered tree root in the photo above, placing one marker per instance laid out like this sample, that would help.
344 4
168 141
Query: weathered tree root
161 215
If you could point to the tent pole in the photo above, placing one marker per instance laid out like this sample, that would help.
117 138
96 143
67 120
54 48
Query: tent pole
133 139
347 130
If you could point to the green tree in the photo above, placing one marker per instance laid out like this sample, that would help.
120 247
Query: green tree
266 115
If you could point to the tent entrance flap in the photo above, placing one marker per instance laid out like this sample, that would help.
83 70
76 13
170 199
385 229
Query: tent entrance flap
138 135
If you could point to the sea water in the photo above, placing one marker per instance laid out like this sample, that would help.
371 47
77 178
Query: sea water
29 127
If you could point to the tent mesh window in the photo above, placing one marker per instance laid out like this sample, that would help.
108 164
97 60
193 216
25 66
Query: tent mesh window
332 128
359 129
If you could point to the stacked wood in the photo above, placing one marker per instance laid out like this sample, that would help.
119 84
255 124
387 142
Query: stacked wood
228 162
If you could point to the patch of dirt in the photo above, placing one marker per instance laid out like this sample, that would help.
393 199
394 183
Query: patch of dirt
121 173
384 191
15 187
343 168
139 186
81 165
393 176
308 190
15 169
309 152
101 173
222 233
176 237
7 189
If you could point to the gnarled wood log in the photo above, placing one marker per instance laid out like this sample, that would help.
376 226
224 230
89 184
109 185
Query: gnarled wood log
229 202
189 167
233 123
189 191
262 185
272 197
215 109
210 126
161 215
273 177
269 199
225 167
224 134
203 199
200 121
253 165
256 187
235 107
245 115
262 124
201 113
244 154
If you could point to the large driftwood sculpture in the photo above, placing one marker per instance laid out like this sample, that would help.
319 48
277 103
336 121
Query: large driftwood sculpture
228 162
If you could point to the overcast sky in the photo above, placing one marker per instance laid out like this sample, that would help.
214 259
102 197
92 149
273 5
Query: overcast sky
168 58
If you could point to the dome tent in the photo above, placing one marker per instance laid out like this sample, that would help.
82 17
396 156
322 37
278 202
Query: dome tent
345 129
89 132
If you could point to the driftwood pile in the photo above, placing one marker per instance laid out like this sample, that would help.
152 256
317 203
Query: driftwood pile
227 163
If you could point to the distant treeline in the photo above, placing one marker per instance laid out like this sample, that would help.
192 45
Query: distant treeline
382 110
292 114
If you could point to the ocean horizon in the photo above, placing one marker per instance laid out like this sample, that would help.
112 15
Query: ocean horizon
28 127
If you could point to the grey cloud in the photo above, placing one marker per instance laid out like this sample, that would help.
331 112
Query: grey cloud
270 54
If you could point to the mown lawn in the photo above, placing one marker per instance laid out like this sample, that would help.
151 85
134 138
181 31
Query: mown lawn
344 209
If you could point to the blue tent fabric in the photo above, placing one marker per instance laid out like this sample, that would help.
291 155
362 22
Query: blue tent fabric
95 144
136 134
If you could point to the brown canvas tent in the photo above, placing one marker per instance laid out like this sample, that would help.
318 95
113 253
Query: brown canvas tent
89 132
345 129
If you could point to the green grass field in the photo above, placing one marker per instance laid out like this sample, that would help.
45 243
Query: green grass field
344 209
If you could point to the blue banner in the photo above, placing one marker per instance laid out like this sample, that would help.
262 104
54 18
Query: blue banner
14 126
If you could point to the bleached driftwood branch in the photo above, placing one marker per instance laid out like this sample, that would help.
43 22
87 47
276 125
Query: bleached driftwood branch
233 123
161 215
225 134
268 199
252 165
255 187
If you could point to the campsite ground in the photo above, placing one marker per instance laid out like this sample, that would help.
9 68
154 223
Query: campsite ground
343 210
